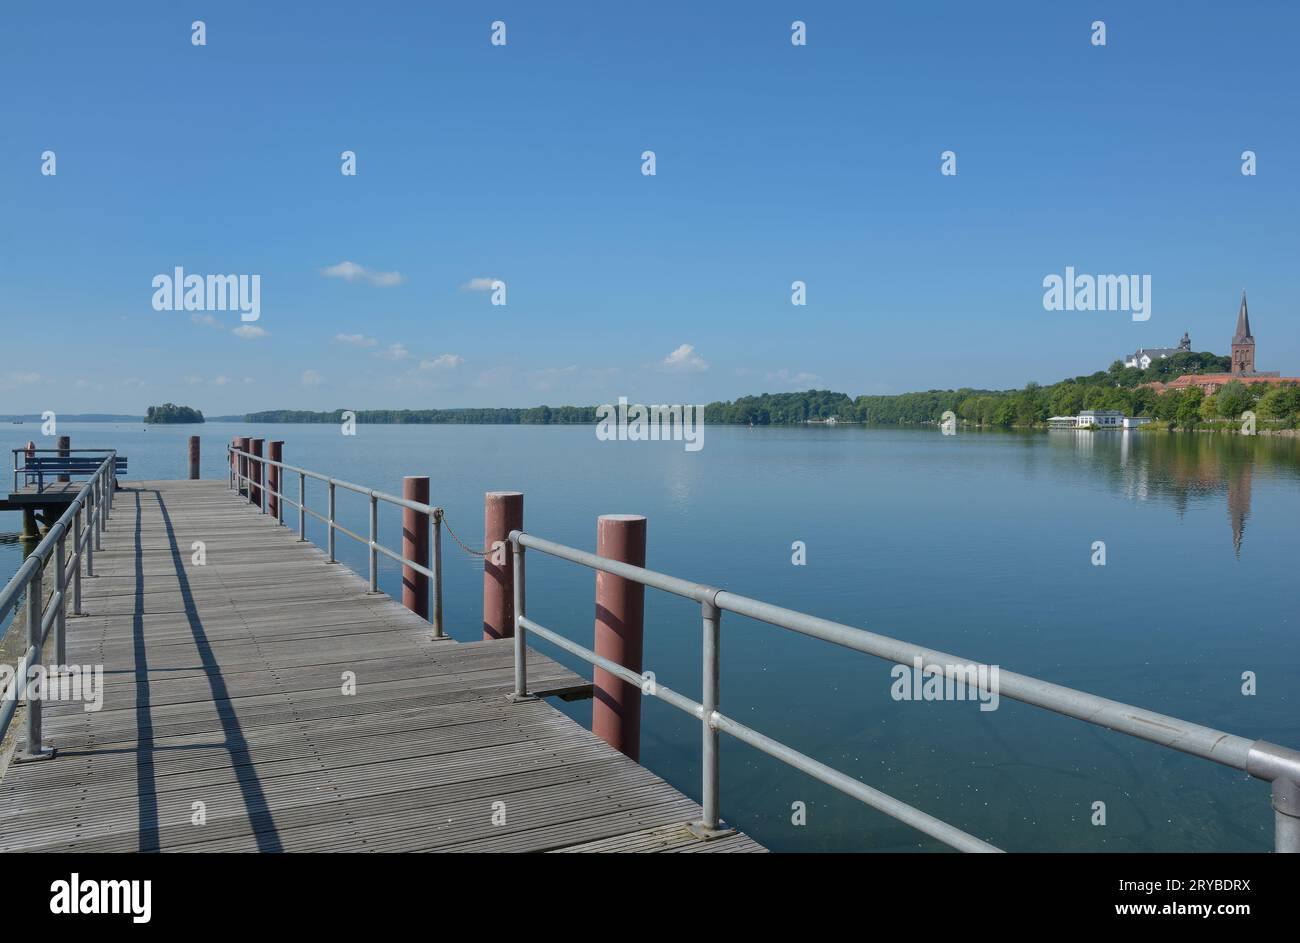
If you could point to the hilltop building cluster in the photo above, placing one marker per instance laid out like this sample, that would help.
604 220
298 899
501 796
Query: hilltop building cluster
1243 363
1144 357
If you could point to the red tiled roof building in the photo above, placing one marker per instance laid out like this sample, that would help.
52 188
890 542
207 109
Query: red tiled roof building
1243 364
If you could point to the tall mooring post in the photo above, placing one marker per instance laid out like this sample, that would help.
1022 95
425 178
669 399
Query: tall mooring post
31 534
244 444
194 458
415 546
255 472
503 511
274 479
65 451
620 629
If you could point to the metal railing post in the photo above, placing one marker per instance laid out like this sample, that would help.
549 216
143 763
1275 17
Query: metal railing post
76 571
97 529
521 647
329 530
34 749
374 537
302 506
1286 816
89 535
61 613
712 617
437 574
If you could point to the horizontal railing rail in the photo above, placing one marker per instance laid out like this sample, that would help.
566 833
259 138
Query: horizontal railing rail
242 480
1267 761
85 521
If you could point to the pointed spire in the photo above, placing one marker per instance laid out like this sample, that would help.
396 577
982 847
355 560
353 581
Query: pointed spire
1243 323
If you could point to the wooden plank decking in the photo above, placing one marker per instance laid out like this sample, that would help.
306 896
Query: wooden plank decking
52 494
223 686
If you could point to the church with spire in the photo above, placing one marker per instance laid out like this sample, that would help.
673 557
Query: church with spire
1243 363
1243 343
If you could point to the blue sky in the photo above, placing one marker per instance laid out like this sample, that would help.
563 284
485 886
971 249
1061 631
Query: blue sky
522 163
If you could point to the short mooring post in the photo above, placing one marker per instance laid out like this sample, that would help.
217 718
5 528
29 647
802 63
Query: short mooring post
194 458
255 472
275 480
415 546
65 451
503 511
620 625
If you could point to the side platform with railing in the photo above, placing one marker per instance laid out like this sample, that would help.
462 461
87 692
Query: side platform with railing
84 521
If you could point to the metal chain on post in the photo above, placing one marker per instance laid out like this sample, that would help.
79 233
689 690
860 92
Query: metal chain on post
460 543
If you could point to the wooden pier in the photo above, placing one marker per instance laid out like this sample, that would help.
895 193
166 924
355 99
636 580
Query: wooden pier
225 702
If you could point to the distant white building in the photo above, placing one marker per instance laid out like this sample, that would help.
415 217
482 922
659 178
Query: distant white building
1098 419
1102 418
1144 357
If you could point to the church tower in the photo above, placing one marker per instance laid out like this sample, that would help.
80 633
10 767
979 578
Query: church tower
1243 344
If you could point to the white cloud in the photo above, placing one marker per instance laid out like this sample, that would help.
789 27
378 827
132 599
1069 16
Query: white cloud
221 381
792 379
396 351
356 340
19 378
442 361
544 380
193 380
352 272
495 378
684 360
478 284
250 332
312 378
207 320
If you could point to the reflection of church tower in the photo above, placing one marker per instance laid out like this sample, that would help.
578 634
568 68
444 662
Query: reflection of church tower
1239 502
1243 344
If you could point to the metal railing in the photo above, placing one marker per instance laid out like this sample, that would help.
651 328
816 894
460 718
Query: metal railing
1267 761
95 502
244 464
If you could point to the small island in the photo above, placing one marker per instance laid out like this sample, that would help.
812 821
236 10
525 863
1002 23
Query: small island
170 412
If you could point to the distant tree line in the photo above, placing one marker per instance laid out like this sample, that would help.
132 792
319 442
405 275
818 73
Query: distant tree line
535 415
780 408
1119 387
170 412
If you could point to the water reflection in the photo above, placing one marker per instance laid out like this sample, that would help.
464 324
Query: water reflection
1185 468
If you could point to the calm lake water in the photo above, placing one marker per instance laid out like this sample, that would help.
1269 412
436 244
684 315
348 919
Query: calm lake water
979 544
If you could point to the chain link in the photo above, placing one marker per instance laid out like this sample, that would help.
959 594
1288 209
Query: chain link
460 543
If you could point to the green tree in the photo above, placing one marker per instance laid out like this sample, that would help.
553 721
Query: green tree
1189 408
1233 399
